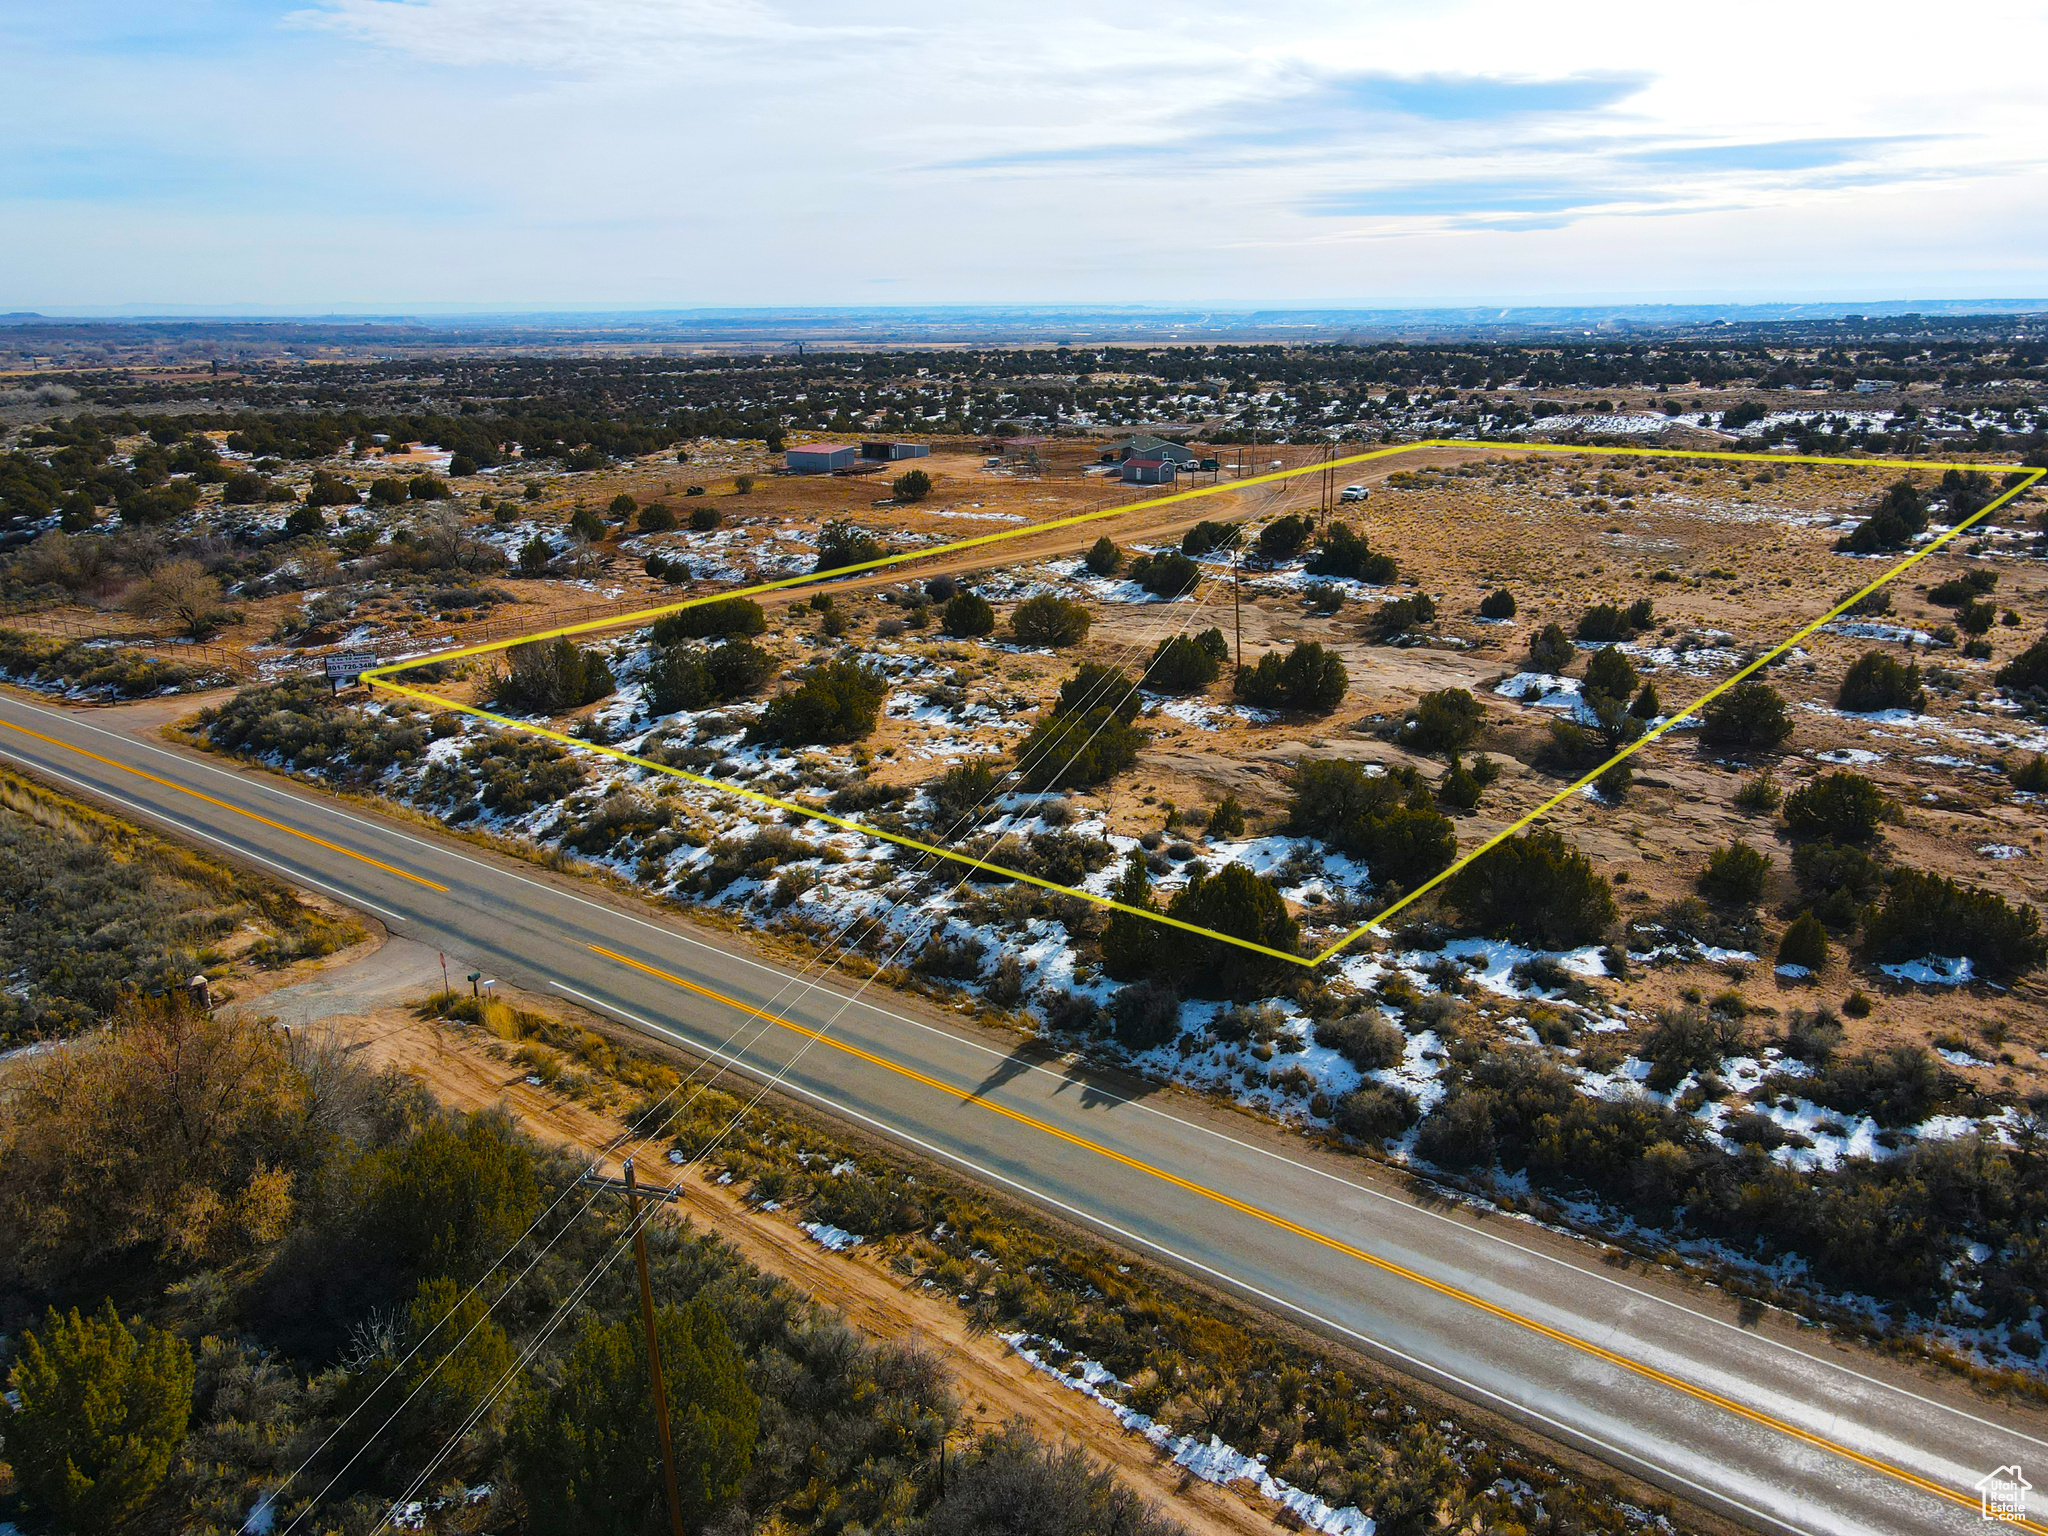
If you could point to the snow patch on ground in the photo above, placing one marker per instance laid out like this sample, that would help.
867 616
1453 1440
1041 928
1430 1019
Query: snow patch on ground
1628 424
1488 962
1933 971
1697 656
1211 1460
1541 690
1297 579
825 1235
1865 629
1205 716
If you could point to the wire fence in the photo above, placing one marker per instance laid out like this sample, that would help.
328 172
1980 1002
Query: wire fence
536 618
112 631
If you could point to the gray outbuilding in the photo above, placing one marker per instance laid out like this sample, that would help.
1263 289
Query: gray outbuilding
822 458
1145 446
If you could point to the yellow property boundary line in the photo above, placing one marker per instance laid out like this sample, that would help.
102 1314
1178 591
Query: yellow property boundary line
380 677
1451 1292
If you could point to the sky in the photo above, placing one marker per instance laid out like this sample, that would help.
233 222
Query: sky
524 154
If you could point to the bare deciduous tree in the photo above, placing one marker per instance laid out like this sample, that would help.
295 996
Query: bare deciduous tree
182 591
166 1132
448 544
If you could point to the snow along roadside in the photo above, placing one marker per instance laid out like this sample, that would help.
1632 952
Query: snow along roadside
1214 1462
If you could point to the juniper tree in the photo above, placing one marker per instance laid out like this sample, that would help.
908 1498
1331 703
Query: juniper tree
1750 717
585 1454
102 1409
966 616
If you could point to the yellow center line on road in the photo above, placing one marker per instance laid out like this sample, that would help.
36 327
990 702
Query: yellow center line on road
1386 1266
361 858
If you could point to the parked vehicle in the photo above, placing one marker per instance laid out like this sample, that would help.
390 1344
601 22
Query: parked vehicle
1353 493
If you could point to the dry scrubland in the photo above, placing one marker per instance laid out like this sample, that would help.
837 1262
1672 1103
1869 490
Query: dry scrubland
1669 1012
240 1239
1733 558
1602 1040
455 560
96 908
1662 1034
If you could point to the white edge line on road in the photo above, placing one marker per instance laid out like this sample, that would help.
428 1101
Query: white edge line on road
1462 1384
1564 1431
1586 1272
150 812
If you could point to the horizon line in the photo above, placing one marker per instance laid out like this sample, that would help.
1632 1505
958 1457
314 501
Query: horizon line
1471 310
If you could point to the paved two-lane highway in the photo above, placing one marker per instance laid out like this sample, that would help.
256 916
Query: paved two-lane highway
1779 1431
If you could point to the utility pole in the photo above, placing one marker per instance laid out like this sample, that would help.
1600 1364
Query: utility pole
1236 610
668 1450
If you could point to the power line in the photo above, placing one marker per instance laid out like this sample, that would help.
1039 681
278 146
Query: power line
807 983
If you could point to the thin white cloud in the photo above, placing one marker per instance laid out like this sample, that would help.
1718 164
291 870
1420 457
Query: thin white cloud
763 151
546 35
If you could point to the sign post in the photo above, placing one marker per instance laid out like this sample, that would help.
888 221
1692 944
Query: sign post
345 668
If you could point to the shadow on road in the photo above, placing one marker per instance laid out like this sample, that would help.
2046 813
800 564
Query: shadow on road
1432 1196
1097 1090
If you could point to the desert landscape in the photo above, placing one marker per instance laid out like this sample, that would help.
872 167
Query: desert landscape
1384 783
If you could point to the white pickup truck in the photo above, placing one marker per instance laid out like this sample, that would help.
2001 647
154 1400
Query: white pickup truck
1353 493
